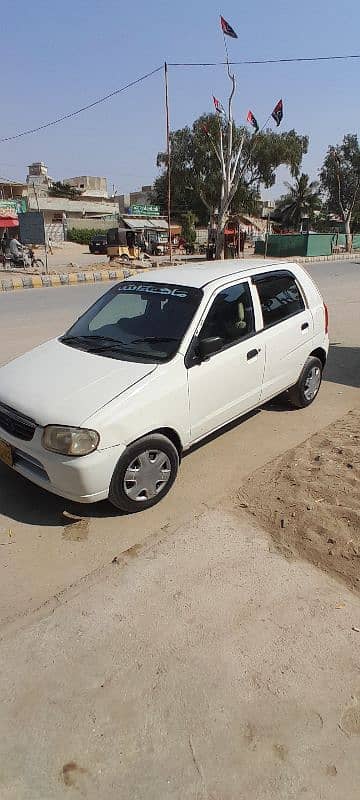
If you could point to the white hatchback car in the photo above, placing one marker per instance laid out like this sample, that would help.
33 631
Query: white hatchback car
156 364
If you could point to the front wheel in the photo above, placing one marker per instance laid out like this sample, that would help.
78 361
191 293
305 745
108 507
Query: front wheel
308 385
38 264
144 474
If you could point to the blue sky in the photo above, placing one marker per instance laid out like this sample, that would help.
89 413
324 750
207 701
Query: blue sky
60 56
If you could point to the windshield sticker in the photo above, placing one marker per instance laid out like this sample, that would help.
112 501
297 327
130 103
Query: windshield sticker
153 289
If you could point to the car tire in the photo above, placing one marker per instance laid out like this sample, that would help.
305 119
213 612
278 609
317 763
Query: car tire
306 389
144 474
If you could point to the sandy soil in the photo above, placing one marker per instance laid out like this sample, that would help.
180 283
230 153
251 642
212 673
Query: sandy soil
309 499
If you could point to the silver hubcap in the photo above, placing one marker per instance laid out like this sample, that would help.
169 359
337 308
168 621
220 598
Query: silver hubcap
312 383
147 475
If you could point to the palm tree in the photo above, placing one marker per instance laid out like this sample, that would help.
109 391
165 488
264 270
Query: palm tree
302 200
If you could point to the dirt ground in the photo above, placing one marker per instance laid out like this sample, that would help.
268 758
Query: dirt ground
309 500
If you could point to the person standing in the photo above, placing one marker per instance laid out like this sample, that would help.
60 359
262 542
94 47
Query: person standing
49 243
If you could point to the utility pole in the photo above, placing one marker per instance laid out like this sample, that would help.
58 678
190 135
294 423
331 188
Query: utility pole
45 242
168 156
267 234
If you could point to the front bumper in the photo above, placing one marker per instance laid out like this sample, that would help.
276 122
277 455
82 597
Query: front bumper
85 479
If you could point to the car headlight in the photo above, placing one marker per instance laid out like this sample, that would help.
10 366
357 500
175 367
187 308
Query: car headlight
70 441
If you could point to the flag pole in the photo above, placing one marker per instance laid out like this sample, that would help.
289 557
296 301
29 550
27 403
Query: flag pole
226 51
227 55
168 155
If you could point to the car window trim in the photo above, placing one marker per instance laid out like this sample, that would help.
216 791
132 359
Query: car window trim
188 358
279 273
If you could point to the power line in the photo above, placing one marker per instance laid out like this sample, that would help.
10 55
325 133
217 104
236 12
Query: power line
84 108
174 64
260 61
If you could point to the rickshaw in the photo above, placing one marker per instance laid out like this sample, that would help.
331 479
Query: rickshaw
123 243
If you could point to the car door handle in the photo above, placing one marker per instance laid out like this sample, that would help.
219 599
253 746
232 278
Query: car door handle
304 326
252 353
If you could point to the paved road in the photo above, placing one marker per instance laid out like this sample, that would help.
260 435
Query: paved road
48 554
206 666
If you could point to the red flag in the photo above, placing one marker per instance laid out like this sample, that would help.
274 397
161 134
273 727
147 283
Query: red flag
218 106
253 121
227 29
278 112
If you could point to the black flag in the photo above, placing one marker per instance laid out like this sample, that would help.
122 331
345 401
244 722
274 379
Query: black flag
253 121
227 29
278 112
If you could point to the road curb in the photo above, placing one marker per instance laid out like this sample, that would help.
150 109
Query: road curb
66 279
99 276
336 257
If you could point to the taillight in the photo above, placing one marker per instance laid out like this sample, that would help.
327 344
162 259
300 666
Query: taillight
326 312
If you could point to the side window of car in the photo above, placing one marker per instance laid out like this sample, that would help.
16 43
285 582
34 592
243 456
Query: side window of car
279 297
231 315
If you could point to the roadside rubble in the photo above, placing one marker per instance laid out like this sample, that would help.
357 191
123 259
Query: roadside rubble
309 500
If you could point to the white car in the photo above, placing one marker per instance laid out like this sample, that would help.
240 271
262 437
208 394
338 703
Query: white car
156 364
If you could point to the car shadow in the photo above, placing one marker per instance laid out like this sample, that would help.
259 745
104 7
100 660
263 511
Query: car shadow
22 501
343 365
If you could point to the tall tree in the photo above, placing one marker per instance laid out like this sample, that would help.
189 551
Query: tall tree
340 181
301 200
196 174
60 189
188 222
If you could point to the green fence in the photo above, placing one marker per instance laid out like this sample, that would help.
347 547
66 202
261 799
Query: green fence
283 246
298 244
319 244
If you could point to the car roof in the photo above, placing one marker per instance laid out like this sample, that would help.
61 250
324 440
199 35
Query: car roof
199 275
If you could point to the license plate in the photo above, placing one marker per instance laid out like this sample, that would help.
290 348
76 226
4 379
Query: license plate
6 453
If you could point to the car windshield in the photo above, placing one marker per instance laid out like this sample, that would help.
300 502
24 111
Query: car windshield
136 320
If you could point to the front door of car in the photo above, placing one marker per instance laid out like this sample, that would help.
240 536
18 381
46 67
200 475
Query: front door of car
227 383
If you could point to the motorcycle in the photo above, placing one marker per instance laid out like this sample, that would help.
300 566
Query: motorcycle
26 261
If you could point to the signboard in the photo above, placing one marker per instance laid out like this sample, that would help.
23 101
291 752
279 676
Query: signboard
10 207
31 225
144 211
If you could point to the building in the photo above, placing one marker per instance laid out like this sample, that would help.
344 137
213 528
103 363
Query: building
38 175
154 230
14 191
89 186
142 197
266 207
91 208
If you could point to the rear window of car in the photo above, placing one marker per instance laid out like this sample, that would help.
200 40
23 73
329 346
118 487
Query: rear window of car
280 297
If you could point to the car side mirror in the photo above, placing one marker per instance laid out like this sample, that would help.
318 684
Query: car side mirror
206 347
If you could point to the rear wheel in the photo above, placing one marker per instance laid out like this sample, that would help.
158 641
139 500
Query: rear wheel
144 474
308 385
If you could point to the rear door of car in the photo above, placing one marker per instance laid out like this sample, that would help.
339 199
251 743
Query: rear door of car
288 329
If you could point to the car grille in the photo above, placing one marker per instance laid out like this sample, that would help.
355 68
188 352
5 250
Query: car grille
16 424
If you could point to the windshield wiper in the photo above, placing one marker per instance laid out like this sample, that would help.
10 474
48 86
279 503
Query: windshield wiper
105 342
155 339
